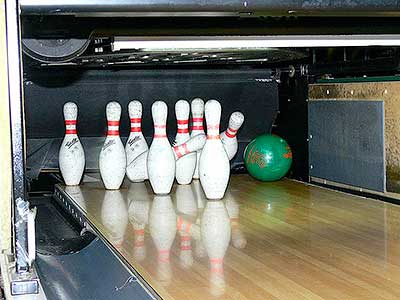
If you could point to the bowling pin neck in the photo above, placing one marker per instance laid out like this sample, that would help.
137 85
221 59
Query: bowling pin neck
113 128
70 127
136 124
217 266
180 150
197 124
160 131
186 244
234 222
213 131
230 132
183 126
163 255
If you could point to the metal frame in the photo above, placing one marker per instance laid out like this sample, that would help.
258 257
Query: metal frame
17 132
24 279
149 8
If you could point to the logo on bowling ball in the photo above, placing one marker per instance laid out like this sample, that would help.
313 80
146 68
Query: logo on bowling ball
256 157
288 155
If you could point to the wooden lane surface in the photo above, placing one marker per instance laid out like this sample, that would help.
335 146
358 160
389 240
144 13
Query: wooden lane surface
303 242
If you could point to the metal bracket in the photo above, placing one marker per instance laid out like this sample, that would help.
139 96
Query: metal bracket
24 283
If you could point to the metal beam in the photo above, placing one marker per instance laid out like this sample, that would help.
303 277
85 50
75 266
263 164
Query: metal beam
17 134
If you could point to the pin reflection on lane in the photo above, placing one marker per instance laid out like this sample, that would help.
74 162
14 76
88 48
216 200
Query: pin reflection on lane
238 239
186 205
114 216
162 222
138 211
216 234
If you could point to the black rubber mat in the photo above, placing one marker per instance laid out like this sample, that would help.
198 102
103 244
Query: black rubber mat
56 232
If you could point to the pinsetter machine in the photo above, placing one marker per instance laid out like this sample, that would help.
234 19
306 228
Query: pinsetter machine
286 65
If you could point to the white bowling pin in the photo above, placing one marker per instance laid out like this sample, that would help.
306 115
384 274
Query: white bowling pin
162 223
136 145
112 160
197 108
138 211
228 137
114 216
186 165
160 159
216 234
238 239
214 163
190 147
71 155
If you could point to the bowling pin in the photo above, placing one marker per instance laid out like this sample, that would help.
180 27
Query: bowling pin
162 224
216 234
197 108
114 217
136 145
71 155
238 239
160 159
228 137
189 147
138 212
112 160
214 165
184 166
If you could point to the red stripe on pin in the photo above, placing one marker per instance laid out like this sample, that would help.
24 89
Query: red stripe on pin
113 123
197 127
136 129
156 136
136 120
227 133
182 122
213 127
70 122
185 149
184 130
138 244
197 120
180 221
113 132
213 137
177 152
159 126
70 131
185 238
139 231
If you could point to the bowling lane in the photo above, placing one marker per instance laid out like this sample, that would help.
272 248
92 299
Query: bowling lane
287 240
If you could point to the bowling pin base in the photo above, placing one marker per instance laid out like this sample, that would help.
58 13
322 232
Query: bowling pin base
162 193
137 180
184 182
72 184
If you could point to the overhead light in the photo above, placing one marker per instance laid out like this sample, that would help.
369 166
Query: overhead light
222 43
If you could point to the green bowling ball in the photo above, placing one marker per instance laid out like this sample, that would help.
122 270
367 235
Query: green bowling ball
268 157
